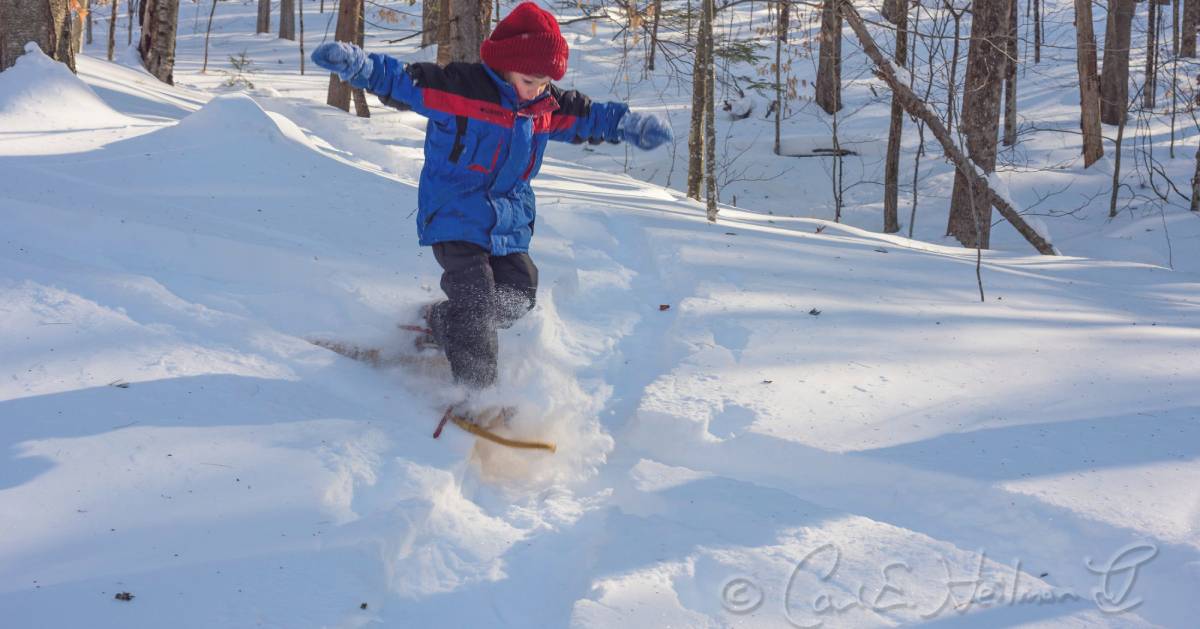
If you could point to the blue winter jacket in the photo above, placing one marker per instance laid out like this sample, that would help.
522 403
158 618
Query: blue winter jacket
482 147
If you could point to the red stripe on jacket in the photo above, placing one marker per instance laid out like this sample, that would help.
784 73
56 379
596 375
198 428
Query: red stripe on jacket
550 124
470 107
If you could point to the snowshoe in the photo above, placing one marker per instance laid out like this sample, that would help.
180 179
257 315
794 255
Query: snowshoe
485 423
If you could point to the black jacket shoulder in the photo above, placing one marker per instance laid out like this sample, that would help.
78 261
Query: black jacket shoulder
571 102
469 80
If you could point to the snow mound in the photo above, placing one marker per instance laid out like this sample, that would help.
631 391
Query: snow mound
41 94
236 118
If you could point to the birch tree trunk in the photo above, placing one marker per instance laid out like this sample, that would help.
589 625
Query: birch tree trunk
1089 83
1114 77
157 44
970 207
829 65
710 127
287 19
895 11
45 22
696 130
264 17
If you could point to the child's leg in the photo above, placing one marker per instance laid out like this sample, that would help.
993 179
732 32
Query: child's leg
464 324
516 287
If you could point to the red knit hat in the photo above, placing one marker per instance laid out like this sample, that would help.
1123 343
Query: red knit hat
527 41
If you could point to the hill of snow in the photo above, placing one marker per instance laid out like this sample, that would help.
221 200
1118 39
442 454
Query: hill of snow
47 109
821 418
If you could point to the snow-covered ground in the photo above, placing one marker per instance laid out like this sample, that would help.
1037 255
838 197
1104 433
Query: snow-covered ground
826 425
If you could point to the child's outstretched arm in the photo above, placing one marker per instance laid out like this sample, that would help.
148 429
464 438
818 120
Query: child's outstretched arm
386 77
581 120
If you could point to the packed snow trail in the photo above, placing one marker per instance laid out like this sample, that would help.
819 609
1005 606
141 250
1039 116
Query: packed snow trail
169 431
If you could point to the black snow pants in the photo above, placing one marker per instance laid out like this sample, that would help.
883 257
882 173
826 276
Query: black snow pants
483 293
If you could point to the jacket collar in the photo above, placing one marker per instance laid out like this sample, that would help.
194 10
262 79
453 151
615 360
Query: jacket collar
543 104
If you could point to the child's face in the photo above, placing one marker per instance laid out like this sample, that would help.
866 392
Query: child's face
528 86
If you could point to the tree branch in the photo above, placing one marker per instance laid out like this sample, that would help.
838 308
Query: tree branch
915 107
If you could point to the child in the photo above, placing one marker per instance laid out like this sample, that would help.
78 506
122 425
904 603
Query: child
488 128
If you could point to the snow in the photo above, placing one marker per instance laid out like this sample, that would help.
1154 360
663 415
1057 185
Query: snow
43 97
825 425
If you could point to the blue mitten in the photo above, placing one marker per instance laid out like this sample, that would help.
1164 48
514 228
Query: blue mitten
645 131
348 61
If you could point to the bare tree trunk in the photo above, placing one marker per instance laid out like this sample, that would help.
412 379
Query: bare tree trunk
1010 77
1149 93
301 3
915 106
88 10
75 26
1116 175
360 98
782 25
1114 77
468 28
1187 30
129 30
929 65
339 92
45 22
970 207
829 66
952 83
112 29
429 22
895 11
1089 83
1037 31
287 19
157 45
653 34
696 131
264 17
836 172
1196 185
207 33
445 52
710 127
1175 27
687 31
